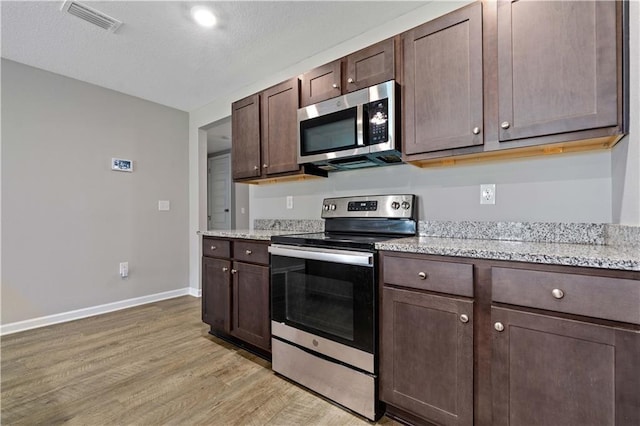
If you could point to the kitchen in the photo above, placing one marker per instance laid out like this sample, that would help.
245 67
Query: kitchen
446 193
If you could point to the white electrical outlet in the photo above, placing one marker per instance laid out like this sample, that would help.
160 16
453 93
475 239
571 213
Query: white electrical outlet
289 202
124 269
164 205
488 193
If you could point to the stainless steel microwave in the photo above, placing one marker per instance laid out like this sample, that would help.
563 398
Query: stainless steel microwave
352 131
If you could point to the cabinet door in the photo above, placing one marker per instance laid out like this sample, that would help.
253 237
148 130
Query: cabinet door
280 128
245 146
216 302
426 365
553 371
370 66
251 318
556 67
443 82
321 83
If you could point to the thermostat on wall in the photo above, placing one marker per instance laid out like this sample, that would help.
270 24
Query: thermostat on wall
121 165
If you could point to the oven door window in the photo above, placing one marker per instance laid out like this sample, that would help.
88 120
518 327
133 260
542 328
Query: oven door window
329 133
332 300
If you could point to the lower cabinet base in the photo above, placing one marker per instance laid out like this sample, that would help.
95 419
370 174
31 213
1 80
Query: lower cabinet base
404 417
241 344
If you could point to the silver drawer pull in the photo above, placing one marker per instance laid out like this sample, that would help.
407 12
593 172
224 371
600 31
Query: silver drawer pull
464 318
334 85
557 293
213 247
498 326
225 269
248 252
476 130
234 271
422 275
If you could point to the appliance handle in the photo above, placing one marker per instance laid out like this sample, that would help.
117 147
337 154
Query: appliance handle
324 255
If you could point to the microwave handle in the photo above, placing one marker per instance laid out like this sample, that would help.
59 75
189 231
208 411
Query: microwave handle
361 119
324 255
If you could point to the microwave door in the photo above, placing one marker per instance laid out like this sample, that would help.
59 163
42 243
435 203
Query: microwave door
334 135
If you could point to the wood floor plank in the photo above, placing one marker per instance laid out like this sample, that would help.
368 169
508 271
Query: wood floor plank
150 365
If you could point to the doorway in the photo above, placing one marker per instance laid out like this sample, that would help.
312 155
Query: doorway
219 192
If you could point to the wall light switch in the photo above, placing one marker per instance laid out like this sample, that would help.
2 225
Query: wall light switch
289 202
164 205
124 269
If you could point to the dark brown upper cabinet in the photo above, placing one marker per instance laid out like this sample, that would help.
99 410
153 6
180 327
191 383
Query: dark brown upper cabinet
279 128
245 127
370 66
367 67
265 138
558 68
321 83
443 96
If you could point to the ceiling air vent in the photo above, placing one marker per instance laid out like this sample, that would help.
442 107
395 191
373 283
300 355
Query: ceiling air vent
91 15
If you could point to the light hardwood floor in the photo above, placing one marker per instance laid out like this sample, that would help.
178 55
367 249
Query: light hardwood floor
149 365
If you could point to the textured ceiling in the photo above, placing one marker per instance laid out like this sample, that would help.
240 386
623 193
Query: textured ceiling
159 54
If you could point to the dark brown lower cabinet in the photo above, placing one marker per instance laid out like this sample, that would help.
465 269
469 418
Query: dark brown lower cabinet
555 371
235 291
426 365
216 293
251 315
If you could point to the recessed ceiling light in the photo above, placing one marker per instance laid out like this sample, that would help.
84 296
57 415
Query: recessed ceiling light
203 16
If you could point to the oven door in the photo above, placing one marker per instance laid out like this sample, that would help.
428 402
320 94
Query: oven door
325 292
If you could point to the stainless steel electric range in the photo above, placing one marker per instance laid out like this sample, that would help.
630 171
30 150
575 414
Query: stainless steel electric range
324 298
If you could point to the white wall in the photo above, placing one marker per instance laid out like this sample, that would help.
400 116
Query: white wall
67 219
550 189
625 156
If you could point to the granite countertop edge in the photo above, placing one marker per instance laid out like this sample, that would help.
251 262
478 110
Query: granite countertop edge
583 255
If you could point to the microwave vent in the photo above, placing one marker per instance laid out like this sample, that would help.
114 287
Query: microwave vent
91 15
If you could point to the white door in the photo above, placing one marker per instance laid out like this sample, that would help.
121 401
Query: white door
219 192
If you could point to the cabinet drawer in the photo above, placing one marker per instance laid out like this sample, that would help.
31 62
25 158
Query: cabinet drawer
599 297
212 247
444 277
251 252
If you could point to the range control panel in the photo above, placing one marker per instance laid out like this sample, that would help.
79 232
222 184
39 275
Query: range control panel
400 206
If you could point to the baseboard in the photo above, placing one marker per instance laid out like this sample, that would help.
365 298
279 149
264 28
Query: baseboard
29 324
195 292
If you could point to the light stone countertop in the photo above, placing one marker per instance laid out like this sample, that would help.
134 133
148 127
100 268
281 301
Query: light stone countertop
258 234
588 255
599 245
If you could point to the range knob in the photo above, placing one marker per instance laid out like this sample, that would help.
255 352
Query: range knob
395 205
326 207
332 206
406 205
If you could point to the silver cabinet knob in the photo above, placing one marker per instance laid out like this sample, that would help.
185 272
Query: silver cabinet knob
557 293
264 166
334 85
498 326
234 271
476 130
213 247
422 275
255 167
248 252
464 318
349 80
225 269
505 125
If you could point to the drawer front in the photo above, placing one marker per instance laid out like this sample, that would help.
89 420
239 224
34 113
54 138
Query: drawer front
444 277
212 247
251 252
599 297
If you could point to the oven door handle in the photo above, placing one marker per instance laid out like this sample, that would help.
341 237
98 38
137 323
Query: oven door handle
358 258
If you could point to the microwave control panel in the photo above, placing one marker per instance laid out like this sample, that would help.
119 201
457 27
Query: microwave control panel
378 121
